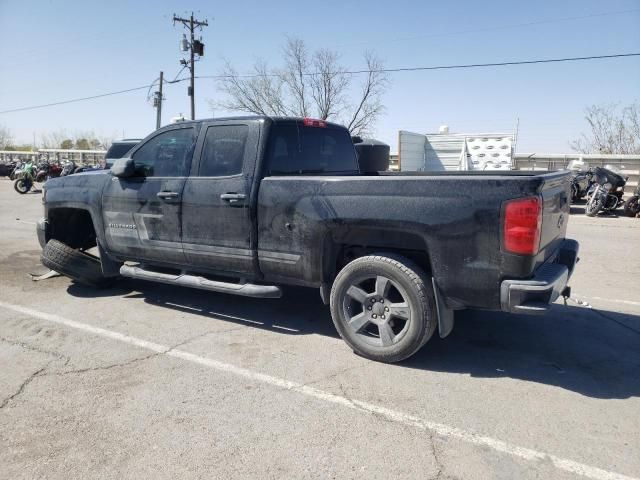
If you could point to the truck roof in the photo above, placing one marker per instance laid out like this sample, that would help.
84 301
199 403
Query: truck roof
274 119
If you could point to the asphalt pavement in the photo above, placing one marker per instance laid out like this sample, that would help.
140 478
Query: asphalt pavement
144 380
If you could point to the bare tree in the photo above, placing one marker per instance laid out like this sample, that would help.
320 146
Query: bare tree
105 141
309 84
370 106
260 92
294 75
329 84
83 139
6 139
612 130
53 139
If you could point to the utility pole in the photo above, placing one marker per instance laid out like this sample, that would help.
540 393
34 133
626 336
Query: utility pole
195 47
158 103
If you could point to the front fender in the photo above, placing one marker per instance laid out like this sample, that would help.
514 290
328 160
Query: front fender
83 192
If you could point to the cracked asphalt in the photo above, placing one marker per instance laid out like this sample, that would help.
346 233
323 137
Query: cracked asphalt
77 404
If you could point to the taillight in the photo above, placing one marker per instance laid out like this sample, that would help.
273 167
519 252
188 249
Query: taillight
312 122
521 225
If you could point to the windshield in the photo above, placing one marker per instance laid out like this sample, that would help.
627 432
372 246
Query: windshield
118 150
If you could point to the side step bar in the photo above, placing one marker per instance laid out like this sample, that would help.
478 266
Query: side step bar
193 281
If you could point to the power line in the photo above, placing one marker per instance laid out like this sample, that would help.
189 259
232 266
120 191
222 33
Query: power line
353 72
443 67
75 100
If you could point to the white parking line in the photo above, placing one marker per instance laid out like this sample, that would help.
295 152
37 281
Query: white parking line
611 300
392 415
615 300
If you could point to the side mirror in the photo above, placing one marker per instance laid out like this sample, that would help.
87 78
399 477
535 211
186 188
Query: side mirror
123 167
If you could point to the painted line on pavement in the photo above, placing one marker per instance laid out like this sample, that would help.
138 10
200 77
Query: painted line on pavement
396 416
611 300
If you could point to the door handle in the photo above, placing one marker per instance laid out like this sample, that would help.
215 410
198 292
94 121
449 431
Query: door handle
233 198
167 195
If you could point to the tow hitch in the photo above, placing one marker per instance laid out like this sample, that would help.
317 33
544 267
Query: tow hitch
566 294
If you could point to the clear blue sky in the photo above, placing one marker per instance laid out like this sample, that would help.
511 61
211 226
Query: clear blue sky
56 50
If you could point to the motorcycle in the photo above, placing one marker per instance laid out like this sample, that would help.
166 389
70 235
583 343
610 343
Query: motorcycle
88 168
47 170
580 185
17 170
632 206
7 168
606 192
26 179
69 167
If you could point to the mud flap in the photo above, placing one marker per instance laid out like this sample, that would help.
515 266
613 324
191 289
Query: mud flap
445 315
110 267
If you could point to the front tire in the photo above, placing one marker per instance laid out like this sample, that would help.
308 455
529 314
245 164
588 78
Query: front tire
383 307
75 264
594 204
22 186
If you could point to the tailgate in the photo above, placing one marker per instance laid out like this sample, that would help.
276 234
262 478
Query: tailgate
555 212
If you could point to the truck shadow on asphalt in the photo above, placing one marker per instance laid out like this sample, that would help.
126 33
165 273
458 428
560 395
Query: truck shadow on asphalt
592 352
299 312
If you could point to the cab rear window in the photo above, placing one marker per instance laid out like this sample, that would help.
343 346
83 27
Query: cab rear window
296 149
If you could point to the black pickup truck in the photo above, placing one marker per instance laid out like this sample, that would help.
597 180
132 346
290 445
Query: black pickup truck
243 205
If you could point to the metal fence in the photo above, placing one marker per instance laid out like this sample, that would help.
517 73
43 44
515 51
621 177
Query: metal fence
629 165
81 157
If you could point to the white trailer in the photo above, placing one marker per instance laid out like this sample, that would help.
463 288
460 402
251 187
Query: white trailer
457 151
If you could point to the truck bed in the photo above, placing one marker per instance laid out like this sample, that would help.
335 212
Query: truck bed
454 216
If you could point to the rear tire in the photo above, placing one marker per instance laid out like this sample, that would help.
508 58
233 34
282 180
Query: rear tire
75 264
632 206
574 194
383 307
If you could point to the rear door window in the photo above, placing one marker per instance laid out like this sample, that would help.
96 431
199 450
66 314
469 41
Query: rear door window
298 149
223 151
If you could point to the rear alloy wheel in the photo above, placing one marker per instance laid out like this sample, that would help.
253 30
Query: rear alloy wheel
383 307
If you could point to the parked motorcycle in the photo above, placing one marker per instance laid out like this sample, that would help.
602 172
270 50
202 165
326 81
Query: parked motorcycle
17 170
47 170
632 206
88 168
606 192
26 179
580 185
7 168
69 167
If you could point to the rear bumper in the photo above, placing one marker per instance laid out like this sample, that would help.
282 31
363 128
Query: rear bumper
535 295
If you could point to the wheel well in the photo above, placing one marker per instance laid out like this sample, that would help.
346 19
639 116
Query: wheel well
72 226
366 241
